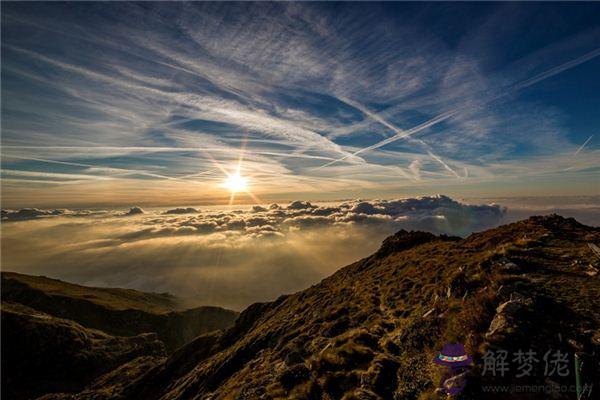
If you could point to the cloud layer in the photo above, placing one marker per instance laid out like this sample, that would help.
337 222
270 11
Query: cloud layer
223 257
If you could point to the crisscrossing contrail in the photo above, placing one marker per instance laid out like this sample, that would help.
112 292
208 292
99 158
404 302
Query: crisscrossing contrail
402 134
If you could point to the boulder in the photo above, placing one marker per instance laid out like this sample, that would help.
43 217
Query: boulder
507 317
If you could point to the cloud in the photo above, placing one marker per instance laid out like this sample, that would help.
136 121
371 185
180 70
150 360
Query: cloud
134 211
34 213
235 257
186 210
188 83
415 169
224 257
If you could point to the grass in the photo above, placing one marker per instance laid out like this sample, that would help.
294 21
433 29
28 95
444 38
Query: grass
116 299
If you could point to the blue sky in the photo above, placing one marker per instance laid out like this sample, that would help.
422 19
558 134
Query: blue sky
154 103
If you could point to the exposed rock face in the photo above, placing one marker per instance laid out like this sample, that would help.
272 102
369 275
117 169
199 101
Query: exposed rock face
362 334
509 316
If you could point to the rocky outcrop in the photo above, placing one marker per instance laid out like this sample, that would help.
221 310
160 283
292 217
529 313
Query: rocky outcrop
403 240
508 316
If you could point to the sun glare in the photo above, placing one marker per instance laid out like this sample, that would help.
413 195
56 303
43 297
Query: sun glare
236 183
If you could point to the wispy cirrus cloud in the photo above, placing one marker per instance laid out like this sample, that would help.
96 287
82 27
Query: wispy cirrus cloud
164 94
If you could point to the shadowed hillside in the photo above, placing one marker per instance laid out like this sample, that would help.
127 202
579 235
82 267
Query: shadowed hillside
58 336
371 330
42 353
123 312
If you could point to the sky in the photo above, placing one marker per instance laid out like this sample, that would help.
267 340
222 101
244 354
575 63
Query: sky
119 104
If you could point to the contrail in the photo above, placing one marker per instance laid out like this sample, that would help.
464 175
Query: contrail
124 171
401 134
558 69
583 145
151 149
397 130
438 159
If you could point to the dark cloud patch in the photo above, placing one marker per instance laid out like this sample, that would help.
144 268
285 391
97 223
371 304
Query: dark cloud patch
29 213
33 213
187 210
134 211
300 205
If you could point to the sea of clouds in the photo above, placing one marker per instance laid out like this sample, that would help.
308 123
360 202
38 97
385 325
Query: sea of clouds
225 257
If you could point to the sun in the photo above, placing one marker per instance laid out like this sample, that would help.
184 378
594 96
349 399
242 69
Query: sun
236 183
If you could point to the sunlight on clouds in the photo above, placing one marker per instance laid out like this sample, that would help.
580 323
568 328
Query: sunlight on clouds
219 256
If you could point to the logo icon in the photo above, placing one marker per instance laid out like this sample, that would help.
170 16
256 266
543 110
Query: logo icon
456 360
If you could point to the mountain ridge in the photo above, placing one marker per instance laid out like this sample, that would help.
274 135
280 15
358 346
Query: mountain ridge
121 312
371 330
50 325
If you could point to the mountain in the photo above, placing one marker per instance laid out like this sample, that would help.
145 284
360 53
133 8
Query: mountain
42 353
372 329
61 336
121 312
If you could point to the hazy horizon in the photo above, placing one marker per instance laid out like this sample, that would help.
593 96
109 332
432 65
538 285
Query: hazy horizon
233 256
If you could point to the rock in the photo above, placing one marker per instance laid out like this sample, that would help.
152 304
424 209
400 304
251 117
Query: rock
506 319
500 324
510 307
505 265
509 267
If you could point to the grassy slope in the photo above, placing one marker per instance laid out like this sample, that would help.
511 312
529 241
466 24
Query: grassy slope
123 312
42 353
116 299
371 330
